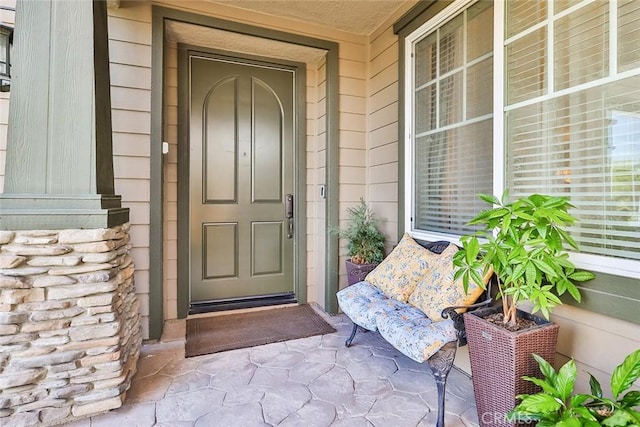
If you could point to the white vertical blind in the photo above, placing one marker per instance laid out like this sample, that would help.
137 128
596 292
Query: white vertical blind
452 121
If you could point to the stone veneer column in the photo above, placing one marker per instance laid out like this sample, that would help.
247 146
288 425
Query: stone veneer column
70 331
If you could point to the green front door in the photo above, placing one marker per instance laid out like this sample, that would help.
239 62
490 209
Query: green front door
241 180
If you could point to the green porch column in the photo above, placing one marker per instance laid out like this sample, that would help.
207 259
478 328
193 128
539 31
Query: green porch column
59 160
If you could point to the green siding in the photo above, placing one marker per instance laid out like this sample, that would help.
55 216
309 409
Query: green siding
611 295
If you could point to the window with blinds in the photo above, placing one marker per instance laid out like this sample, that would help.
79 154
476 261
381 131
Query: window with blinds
572 117
452 138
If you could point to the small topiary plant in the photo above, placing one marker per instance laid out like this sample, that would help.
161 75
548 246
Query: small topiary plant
365 243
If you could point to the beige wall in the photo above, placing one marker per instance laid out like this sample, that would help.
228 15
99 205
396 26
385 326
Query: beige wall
352 130
382 122
316 173
130 66
598 343
170 184
369 159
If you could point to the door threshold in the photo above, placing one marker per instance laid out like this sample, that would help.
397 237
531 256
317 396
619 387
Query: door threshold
239 303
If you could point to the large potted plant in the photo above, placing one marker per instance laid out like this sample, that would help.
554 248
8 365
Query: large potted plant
365 243
524 242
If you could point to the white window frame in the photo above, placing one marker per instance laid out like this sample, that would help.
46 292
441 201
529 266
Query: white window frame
592 262
409 96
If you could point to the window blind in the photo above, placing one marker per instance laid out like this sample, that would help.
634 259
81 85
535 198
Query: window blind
452 120
523 14
526 66
451 168
584 141
581 45
628 34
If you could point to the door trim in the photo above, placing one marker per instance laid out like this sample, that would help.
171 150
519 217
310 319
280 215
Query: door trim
156 199
185 305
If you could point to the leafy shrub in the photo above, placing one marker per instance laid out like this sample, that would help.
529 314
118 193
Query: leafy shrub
557 406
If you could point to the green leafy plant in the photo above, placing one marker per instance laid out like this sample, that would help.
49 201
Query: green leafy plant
557 406
523 242
365 243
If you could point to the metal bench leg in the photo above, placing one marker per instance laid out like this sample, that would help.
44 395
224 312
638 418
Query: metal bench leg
440 364
347 343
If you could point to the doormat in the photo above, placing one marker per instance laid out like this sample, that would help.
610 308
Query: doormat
206 335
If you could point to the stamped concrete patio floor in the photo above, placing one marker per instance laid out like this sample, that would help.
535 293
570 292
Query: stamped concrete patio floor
314 381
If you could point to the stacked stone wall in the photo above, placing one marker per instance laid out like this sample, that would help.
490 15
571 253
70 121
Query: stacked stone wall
70 332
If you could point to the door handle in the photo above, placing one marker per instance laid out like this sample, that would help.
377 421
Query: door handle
288 206
288 213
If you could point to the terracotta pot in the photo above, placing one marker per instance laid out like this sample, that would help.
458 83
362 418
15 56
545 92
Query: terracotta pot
357 272
499 360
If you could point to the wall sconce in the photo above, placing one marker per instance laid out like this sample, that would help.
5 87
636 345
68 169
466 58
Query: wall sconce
6 44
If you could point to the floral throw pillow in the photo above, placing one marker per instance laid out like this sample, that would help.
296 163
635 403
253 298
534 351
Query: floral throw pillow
438 290
399 273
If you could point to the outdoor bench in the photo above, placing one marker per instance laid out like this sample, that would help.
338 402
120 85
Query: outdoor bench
412 300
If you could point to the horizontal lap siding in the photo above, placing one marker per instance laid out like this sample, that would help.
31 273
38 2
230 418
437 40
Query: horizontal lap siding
596 342
316 173
352 154
170 184
130 68
382 154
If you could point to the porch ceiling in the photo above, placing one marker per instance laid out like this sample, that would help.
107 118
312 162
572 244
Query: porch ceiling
353 16
197 35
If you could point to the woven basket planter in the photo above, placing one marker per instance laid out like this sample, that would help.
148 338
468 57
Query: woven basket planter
499 359
357 272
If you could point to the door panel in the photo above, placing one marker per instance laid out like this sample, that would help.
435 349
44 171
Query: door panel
220 250
220 143
267 247
241 166
267 157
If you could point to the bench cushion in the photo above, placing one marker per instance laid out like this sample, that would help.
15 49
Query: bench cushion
399 273
364 303
414 334
405 327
